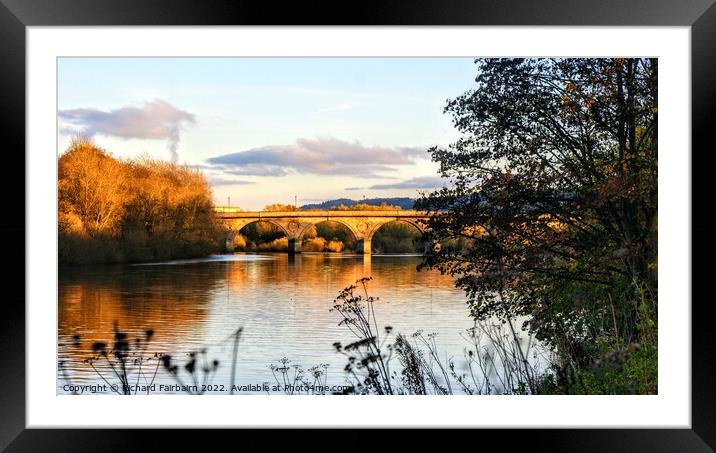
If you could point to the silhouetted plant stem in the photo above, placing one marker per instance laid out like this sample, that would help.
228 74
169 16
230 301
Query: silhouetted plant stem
112 387
233 361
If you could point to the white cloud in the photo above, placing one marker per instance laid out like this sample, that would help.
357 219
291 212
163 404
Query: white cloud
325 156
153 120
421 182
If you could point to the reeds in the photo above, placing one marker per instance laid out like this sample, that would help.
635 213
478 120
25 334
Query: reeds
368 356
126 367
497 358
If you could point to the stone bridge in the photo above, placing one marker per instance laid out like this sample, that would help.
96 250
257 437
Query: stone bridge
363 224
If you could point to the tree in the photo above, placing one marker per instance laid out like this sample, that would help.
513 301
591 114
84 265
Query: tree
91 189
280 207
365 207
554 185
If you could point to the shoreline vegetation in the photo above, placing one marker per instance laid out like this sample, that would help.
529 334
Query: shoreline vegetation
123 211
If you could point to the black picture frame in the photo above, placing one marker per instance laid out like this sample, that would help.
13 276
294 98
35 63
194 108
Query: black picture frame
700 15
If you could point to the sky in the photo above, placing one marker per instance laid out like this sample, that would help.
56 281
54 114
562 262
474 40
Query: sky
266 130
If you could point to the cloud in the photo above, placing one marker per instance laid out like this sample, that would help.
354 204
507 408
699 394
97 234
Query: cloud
257 170
323 156
153 120
216 181
421 182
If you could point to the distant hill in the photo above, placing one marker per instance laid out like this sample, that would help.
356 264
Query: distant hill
403 202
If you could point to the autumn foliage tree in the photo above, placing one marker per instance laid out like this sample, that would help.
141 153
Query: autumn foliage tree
366 207
92 188
113 210
277 207
554 185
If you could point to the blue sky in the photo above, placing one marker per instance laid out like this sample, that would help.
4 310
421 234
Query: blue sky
266 129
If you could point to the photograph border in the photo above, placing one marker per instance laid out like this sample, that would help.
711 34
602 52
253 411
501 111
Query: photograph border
16 15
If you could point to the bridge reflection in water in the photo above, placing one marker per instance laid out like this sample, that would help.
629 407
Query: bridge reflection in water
366 270
294 224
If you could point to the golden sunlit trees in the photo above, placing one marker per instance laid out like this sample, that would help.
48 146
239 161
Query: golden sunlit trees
91 189
276 207
112 210
366 207
170 213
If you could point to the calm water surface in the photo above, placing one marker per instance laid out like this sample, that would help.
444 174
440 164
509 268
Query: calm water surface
282 302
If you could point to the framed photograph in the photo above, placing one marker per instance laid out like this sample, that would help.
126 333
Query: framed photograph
399 219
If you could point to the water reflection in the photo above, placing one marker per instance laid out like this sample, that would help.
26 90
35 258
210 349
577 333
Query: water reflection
281 301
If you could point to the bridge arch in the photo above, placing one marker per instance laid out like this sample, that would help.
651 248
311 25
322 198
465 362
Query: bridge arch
408 238
235 229
413 222
238 228
338 220
343 232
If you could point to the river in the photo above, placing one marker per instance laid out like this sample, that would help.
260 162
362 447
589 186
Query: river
282 303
